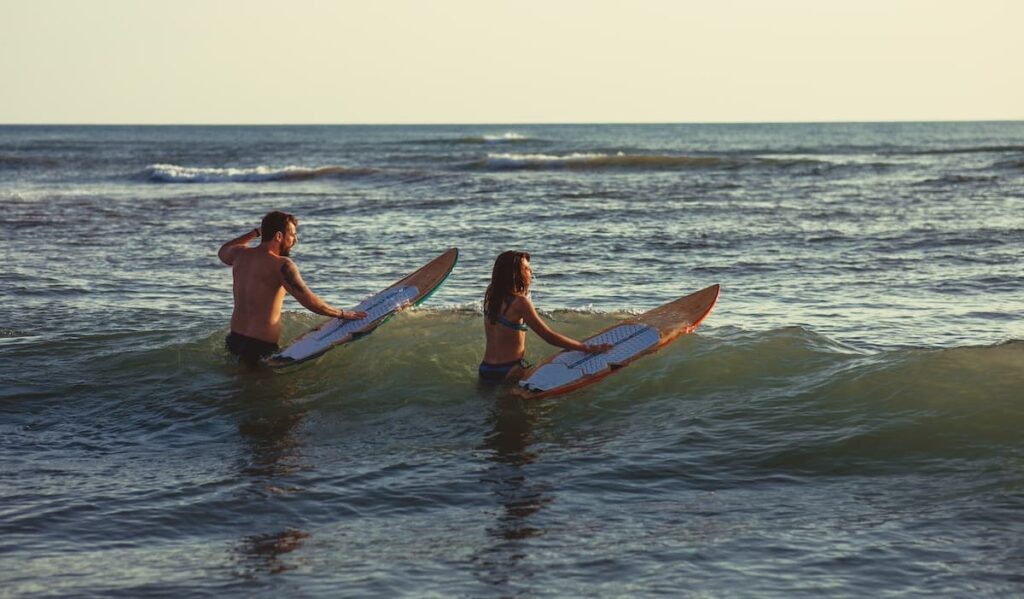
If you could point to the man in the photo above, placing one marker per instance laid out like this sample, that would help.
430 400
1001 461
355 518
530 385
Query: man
261 276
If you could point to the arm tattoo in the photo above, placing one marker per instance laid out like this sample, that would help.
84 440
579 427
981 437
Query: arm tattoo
291 276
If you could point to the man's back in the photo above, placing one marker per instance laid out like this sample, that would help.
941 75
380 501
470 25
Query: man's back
258 294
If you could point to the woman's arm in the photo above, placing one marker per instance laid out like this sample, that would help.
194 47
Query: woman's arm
537 324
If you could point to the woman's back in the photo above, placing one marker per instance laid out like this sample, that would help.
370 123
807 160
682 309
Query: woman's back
506 336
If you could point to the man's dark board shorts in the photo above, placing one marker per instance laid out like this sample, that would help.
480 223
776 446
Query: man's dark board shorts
248 349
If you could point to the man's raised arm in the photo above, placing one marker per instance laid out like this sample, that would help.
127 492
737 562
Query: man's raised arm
228 250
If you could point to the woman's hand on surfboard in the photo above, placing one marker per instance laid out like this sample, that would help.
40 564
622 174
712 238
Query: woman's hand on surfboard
598 348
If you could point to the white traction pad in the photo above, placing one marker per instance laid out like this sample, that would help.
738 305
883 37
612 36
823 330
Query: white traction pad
376 307
571 366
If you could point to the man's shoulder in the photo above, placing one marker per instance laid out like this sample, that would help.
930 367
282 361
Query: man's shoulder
254 259
246 255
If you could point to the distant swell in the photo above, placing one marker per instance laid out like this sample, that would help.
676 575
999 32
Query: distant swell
171 173
508 137
1011 164
16 161
972 150
595 161
598 161
949 180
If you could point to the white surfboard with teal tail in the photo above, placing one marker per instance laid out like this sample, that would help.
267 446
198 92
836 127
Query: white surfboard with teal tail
410 291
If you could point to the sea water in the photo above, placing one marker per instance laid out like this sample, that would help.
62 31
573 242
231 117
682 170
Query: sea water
848 421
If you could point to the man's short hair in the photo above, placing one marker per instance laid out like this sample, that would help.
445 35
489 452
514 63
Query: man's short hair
276 221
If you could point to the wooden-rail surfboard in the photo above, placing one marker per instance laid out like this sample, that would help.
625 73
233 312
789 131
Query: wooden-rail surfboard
410 291
633 339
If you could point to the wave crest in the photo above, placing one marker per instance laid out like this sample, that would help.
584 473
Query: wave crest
797 400
507 137
172 173
586 161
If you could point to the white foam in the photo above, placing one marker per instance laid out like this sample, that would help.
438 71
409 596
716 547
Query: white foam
595 160
507 136
540 160
173 173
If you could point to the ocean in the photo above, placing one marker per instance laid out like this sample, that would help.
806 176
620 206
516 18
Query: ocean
848 420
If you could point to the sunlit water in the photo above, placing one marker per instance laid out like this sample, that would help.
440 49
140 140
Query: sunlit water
847 421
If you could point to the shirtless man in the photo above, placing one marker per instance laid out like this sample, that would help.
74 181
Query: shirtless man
261 276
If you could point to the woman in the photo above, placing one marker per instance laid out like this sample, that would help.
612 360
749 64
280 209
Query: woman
508 314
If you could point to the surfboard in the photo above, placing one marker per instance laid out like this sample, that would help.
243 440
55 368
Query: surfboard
410 291
633 339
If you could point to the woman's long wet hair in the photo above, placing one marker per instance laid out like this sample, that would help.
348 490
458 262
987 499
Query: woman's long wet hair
508 279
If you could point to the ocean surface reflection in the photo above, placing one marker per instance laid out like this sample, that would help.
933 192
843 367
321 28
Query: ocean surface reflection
272 456
519 500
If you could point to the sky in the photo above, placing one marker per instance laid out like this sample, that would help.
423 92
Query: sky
495 61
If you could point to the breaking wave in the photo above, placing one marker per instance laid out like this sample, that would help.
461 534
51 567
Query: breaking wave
172 173
507 137
586 161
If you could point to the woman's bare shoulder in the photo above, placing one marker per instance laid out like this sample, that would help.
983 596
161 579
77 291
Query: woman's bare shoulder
520 304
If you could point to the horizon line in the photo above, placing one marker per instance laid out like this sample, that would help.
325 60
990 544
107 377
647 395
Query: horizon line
506 124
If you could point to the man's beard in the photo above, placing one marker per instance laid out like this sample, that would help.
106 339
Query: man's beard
285 252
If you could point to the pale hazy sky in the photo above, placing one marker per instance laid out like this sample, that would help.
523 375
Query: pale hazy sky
493 61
